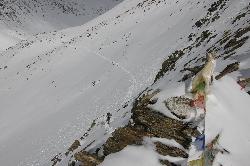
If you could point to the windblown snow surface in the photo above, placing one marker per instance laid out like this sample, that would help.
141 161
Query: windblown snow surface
21 18
54 84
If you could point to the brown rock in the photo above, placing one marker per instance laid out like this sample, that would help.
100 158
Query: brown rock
87 159
73 147
146 123
229 69
161 126
171 151
244 82
167 163
123 137
179 106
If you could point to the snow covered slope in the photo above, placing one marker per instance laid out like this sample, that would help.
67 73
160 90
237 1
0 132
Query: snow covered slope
9 37
47 15
21 18
53 85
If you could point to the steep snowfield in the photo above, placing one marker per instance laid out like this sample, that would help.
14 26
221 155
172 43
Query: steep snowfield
7 40
228 114
57 83
47 15
53 85
9 37
21 18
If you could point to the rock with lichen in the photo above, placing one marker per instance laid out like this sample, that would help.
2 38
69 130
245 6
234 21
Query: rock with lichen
179 106
122 137
166 150
87 159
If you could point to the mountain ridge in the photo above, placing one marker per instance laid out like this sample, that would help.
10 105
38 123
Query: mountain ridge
62 80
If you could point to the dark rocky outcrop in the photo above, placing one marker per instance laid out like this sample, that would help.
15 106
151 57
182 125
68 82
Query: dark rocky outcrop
73 147
123 137
179 106
165 150
149 123
167 163
164 127
229 69
87 159
145 123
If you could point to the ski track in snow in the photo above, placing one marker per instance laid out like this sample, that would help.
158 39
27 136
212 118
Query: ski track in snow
132 77
157 37
128 97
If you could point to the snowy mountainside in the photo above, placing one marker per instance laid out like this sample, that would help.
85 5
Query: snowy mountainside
232 128
53 85
10 37
220 30
19 19
48 15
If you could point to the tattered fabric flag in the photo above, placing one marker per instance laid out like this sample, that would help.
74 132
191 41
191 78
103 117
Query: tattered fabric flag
198 162
212 149
199 102
199 96
200 142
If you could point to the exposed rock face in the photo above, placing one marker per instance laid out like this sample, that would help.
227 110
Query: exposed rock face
123 137
164 127
244 83
146 123
87 159
167 163
229 69
171 151
159 125
149 123
179 106
73 147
